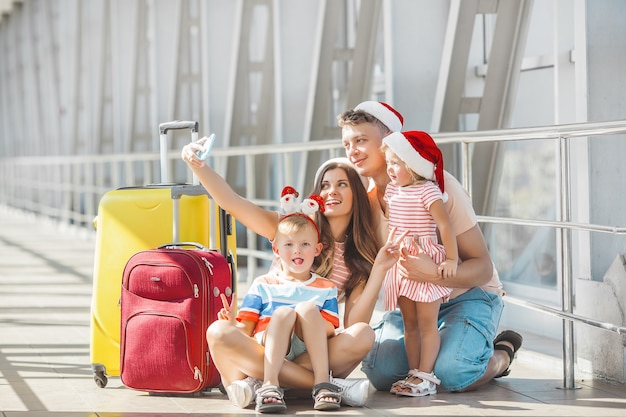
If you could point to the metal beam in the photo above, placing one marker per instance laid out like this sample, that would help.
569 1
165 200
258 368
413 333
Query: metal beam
345 63
495 106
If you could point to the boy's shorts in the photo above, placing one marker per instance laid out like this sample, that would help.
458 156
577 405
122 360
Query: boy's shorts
296 345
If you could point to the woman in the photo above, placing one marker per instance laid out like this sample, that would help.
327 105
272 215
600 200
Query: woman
348 259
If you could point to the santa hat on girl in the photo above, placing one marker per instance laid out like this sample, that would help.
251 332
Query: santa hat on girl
419 151
389 116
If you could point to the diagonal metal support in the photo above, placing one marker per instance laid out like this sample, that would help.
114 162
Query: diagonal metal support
345 64
251 109
495 106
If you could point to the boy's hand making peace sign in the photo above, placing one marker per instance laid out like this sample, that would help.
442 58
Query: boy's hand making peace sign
227 312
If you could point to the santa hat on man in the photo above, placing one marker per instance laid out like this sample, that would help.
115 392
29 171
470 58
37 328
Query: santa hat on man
389 116
419 151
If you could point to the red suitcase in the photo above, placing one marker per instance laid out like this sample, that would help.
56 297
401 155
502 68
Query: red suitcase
170 295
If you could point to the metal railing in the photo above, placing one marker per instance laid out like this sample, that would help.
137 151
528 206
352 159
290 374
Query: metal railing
68 188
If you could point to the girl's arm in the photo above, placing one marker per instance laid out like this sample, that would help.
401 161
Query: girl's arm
447 269
255 218
360 305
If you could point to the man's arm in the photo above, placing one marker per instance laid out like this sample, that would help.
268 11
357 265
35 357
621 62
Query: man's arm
476 268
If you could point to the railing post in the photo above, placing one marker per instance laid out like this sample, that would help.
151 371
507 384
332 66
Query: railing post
251 195
466 167
566 265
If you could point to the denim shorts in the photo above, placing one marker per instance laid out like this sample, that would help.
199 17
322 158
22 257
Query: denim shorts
467 325
296 345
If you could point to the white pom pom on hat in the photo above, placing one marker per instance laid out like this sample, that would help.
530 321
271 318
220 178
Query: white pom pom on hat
389 116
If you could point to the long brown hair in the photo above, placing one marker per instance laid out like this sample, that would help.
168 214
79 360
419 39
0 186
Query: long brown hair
361 245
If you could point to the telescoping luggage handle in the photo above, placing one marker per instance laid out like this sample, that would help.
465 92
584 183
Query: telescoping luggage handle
174 125
225 220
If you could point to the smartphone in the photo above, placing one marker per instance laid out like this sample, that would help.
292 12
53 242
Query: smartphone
206 149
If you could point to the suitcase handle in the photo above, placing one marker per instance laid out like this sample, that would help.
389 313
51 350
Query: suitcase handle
178 124
174 125
175 245
228 255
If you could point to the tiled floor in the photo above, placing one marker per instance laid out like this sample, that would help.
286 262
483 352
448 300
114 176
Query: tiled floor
45 370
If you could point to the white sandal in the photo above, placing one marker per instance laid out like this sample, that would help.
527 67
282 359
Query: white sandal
428 386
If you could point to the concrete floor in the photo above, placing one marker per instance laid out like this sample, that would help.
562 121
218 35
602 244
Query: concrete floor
45 370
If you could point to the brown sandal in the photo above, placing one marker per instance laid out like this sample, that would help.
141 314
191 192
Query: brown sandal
270 391
325 390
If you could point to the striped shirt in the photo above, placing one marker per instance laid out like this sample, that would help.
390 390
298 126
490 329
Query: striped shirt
409 209
340 273
270 291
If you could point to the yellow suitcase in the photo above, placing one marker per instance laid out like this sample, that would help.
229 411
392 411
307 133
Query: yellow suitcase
133 219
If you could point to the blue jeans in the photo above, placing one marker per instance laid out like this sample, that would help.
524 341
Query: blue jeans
467 325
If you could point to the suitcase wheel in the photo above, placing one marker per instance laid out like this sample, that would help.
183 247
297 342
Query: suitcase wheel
99 376
100 379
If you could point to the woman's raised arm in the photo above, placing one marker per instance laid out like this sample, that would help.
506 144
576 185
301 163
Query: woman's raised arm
262 221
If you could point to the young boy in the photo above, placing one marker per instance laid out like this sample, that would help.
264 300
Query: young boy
290 310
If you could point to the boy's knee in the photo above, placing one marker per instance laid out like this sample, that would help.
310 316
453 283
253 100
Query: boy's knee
281 314
306 307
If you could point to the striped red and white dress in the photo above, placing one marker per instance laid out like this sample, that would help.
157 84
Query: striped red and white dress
409 209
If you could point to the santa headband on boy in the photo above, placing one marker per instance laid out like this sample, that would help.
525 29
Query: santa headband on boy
308 207
387 115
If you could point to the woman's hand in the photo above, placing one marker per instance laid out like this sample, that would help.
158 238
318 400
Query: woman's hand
389 254
189 152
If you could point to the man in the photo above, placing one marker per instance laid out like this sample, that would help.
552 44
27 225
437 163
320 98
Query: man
469 356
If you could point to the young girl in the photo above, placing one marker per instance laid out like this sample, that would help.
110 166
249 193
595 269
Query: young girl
415 197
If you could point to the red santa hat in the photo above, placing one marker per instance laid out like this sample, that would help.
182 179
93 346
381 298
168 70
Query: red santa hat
420 152
389 116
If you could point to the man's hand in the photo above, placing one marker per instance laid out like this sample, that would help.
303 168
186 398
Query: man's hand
420 267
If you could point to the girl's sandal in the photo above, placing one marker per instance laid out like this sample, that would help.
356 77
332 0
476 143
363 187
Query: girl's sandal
428 386
398 385
323 391
402 383
270 391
